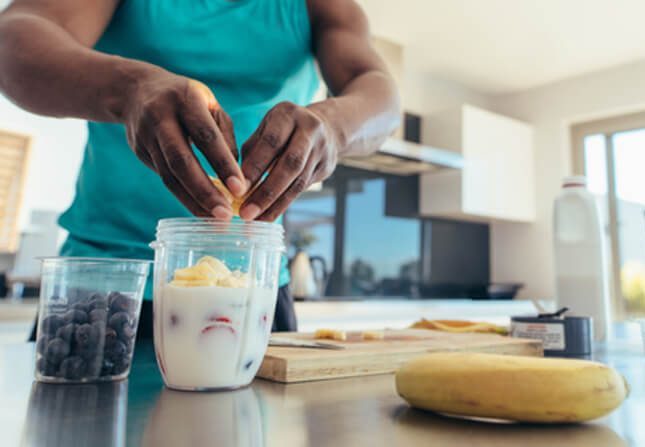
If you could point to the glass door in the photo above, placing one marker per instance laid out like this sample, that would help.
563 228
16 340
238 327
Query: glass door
611 153
629 172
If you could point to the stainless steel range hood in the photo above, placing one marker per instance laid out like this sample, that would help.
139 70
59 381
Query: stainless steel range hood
406 158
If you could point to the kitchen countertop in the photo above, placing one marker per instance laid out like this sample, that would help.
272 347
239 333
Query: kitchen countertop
393 313
346 412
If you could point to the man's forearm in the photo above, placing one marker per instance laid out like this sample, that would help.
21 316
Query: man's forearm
365 112
44 70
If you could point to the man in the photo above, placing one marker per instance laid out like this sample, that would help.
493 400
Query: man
154 77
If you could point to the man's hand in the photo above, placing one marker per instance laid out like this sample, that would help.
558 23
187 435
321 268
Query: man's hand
297 146
165 113
301 145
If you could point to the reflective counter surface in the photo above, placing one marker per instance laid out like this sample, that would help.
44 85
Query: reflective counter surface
346 412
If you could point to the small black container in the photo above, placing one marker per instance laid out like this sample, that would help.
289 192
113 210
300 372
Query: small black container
563 336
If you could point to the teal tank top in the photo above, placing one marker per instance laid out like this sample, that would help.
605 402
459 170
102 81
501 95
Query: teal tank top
251 53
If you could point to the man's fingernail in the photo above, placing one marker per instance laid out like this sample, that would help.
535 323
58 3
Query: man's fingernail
250 211
236 186
221 212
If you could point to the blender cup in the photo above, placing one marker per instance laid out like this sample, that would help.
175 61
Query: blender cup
87 319
215 290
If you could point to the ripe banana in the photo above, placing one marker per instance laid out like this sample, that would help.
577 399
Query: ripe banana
209 271
236 202
528 389
459 326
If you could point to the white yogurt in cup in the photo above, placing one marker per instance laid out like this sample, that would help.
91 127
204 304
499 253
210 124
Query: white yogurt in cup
214 301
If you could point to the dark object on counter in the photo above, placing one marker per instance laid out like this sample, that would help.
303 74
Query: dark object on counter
492 291
89 339
496 291
563 336
3 285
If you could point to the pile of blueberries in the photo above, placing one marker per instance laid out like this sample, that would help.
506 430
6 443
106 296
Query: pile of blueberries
92 336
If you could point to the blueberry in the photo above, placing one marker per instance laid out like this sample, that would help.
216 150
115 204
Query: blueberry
66 332
93 366
96 296
87 335
106 367
75 316
111 296
120 322
83 307
57 349
110 337
248 364
120 366
85 352
98 301
41 344
73 368
44 367
126 333
117 351
118 319
100 328
51 323
121 303
98 315
129 345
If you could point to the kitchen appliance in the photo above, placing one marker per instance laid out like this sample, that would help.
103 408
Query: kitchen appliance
366 357
309 276
215 292
401 157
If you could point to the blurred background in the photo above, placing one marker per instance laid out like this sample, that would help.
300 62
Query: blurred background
502 99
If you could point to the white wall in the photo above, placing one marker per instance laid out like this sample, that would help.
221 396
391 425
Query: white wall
424 94
523 252
57 149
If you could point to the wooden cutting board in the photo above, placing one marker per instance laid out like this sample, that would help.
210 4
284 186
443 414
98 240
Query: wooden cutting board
361 357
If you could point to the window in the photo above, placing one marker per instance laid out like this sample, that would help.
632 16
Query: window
344 224
381 252
309 224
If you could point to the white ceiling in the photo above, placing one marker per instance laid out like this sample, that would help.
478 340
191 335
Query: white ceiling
498 46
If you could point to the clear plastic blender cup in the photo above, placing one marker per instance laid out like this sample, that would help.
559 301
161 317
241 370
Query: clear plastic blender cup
88 317
215 290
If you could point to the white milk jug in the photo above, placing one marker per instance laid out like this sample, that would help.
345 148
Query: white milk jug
580 260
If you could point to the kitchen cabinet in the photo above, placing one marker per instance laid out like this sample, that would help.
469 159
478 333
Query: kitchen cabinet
497 178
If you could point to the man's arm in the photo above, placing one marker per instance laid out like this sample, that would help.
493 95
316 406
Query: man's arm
47 66
365 108
301 145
